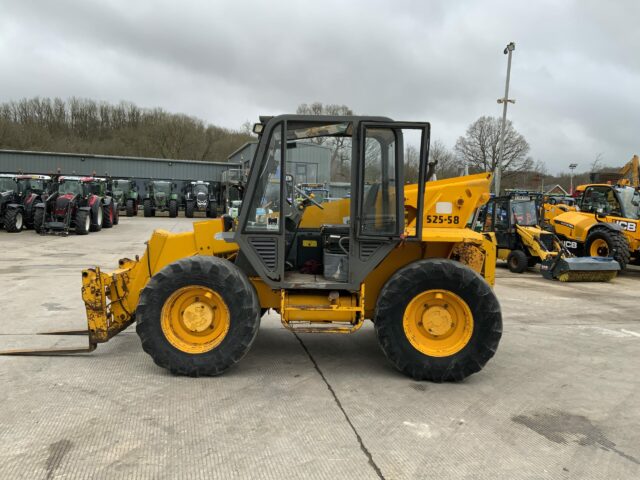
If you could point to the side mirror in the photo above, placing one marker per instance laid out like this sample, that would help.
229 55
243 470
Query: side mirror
258 128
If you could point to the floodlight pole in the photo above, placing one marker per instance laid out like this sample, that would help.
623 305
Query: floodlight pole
504 101
572 167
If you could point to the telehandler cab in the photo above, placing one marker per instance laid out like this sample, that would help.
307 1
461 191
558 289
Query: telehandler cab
395 253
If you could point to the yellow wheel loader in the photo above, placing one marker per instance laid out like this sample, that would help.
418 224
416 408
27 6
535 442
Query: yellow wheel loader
606 224
523 243
394 253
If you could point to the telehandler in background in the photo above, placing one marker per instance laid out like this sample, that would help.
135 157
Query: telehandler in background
523 243
395 253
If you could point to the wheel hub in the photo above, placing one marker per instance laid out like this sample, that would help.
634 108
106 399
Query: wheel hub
437 320
438 323
198 316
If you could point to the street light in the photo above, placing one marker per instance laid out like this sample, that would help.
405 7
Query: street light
504 101
572 167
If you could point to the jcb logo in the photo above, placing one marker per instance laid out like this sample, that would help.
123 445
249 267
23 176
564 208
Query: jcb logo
629 226
570 245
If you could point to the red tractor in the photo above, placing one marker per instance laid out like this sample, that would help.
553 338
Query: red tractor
32 190
75 203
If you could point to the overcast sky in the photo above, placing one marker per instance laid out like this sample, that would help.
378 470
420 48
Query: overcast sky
575 75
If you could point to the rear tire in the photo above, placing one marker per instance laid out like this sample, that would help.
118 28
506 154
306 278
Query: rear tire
116 214
130 208
225 280
38 219
188 209
148 210
455 281
173 208
613 244
517 261
83 222
14 220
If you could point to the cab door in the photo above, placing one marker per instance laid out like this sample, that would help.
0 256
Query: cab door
378 214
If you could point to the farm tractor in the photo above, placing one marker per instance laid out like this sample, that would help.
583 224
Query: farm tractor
12 212
605 224
125 193
75 203
395 253
201 196
161 196
523 243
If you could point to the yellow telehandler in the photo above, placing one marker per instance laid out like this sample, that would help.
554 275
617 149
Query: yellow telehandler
394 253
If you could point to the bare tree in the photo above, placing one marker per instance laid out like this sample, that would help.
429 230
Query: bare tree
479 147
446 164
340 162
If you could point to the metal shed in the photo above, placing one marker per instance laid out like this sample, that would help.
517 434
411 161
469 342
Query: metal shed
12 161
308 162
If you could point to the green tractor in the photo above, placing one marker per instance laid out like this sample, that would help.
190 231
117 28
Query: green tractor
125 193
161 195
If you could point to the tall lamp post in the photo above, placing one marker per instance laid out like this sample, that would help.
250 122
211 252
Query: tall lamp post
504 101
572 167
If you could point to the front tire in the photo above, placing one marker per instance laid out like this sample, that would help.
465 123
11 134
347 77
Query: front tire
131 208
14 220
608 243
107 216
517 261
83 222
97 219
189 209
148 209
438 320
173 208
198 316
38 220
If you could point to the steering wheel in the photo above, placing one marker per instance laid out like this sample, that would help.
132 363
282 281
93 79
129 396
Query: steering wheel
307 197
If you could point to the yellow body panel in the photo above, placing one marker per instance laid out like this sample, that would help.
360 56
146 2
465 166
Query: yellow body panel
577 225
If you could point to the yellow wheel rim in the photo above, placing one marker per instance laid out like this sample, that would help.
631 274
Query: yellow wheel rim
599 248
438 323
195 319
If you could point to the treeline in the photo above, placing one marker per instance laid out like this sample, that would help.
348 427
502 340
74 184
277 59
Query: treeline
86 126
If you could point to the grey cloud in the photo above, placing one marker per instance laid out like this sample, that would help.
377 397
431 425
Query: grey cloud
575 71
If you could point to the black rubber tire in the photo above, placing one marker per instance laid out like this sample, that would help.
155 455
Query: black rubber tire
96 223
30 212
235 289
616 242
188 209
173 208
148 209
81 225
517 261
440 274
116 214
38 220
130 207
14 220
107 216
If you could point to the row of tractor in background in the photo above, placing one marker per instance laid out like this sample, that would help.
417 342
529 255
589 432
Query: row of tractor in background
60 204
593 233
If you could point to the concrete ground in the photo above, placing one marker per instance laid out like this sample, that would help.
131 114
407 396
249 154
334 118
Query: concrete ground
560 400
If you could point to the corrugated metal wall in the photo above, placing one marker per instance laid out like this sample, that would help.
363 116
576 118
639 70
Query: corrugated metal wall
46 163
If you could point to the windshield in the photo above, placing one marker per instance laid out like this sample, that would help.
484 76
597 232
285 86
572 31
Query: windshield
32 184
200 189
525 213
630 200
162 187
121 186
7 184
73 187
